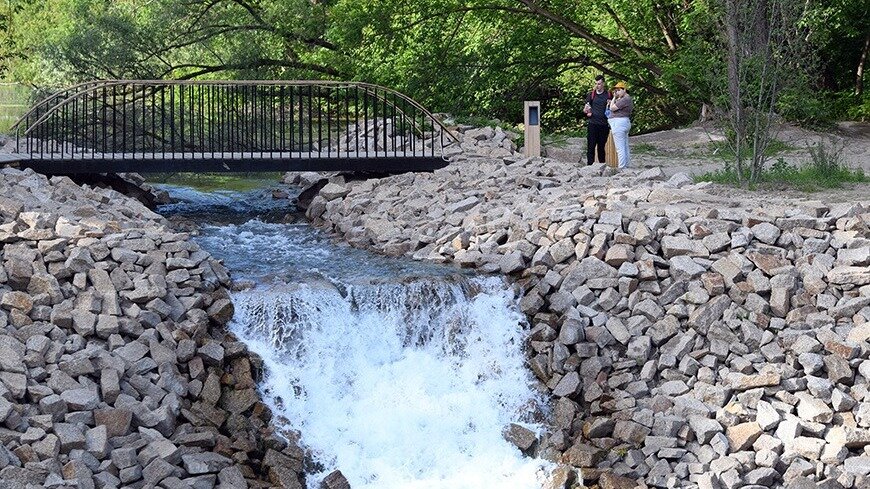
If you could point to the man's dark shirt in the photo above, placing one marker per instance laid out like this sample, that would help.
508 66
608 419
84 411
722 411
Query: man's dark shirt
599 104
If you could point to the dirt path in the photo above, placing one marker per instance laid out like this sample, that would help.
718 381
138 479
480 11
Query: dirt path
692 150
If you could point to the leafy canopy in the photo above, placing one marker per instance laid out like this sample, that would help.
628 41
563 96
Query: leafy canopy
467 57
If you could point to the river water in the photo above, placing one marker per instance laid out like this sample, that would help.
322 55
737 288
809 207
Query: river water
400 374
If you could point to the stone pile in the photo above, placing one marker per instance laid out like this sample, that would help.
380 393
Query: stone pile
375 135
486 142
688 339
11 144
381 135
115 368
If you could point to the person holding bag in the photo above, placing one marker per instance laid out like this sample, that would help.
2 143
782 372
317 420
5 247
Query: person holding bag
598 130
619 119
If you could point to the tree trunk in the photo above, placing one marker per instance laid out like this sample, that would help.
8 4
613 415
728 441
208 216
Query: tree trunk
734 95
761 21
859 74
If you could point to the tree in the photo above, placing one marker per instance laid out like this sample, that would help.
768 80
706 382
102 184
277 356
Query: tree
840 31
462 56
507 50
480 57
9 9
86 39
765 51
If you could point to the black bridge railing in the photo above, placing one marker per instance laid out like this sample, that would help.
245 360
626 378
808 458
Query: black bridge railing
215 125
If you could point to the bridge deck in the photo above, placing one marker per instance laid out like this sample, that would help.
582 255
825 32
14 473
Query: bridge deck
68 163
211 120
9 158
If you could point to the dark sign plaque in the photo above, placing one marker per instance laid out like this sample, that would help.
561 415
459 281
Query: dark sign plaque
533 115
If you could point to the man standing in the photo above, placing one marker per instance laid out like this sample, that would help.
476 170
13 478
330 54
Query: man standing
596 137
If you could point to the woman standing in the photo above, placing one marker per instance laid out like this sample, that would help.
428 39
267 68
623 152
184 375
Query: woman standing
620 122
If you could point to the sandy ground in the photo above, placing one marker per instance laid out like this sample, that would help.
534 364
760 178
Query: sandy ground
691 150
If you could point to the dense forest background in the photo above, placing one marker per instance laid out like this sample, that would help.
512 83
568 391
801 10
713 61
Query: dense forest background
466 57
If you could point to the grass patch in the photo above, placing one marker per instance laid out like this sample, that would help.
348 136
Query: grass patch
560 139
724 150
621 452
209 182
644 149
826 169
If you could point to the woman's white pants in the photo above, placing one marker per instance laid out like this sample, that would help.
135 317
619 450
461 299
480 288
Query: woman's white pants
620 127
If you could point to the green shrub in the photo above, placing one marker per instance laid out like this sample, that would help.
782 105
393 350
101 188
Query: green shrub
848 106
724 149
809 108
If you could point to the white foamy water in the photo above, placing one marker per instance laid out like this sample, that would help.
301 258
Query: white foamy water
400 386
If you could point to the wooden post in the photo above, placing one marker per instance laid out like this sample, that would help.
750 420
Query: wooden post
610 151
532 124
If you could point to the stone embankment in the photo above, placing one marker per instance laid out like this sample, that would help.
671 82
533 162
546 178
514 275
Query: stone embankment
688 340
115 367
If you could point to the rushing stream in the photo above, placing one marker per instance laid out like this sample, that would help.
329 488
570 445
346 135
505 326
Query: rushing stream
402 375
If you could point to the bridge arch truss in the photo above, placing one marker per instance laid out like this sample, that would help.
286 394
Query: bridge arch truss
167 125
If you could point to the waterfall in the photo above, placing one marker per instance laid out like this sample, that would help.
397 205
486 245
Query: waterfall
399 385
401 374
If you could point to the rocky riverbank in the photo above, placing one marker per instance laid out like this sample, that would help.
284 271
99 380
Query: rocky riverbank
115 367
687 339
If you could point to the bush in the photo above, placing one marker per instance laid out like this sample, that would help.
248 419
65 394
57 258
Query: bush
848 106
807 107
725 150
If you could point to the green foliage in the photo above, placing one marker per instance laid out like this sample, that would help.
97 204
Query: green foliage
477 121
75 40
826 169
764 47
848 106
621 452
806 107
465 57
826 159
14 102
838 29
453 57
725 150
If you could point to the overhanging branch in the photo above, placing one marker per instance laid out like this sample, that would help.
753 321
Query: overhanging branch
250 65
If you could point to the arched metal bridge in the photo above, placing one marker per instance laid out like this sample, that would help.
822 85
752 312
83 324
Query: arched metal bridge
229 126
